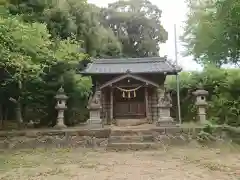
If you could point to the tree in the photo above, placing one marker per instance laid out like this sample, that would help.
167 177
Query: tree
32 67
212 31
24 52
70 19
89 30
31 10
223 100
64 73
137 25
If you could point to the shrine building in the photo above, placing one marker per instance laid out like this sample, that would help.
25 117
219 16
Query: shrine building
130 90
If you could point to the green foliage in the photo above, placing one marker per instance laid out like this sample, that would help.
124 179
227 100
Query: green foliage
207 134
137 25
110 32
30 10
23 46
24 54
223 86
68 19
212 31
32 68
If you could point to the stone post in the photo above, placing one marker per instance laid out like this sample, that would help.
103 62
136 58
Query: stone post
94 107
60 107
164 105
201 104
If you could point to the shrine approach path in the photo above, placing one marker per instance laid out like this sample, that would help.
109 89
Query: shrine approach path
169 163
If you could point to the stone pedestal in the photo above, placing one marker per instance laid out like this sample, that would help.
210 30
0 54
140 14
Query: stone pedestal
164 106
94 106
94 120
164 118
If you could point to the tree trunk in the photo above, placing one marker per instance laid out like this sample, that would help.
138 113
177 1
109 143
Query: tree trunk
5 116
18 106
19 113
1 116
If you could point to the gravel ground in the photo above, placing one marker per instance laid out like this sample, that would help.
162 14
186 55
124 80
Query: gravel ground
190 163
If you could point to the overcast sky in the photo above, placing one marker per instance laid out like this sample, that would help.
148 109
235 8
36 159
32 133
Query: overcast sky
174 12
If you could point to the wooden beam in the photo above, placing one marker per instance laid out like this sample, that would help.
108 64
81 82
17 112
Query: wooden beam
129 85
133 76
146 101
111 105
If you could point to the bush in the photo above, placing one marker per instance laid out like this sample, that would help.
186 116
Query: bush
223 86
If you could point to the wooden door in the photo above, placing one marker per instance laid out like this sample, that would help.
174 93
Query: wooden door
129 110
129 107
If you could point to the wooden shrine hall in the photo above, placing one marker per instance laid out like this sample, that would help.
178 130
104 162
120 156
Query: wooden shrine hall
129 91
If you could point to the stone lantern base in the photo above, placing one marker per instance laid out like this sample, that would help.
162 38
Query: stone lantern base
60 126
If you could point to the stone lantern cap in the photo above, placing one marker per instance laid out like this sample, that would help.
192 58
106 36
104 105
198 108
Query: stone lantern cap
200 92
61 94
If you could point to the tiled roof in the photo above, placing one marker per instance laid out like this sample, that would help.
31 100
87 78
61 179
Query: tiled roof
133 65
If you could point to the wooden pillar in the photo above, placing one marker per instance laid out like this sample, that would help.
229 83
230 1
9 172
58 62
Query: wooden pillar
146 103
111 105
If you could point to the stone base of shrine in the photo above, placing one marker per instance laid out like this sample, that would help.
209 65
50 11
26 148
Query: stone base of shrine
109 136
94 124
165 122
130 122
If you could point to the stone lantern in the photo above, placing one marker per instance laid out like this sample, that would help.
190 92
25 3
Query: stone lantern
60 107
201 104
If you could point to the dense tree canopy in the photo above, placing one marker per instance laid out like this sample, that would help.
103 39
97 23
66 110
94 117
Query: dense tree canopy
28 57
71 18
137 24
212 31
24 52
126 28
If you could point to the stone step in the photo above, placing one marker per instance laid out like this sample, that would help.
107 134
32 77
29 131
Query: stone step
132 146
131 132
125 139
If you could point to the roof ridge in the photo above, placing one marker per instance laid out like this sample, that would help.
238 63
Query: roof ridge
128 60
135 65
